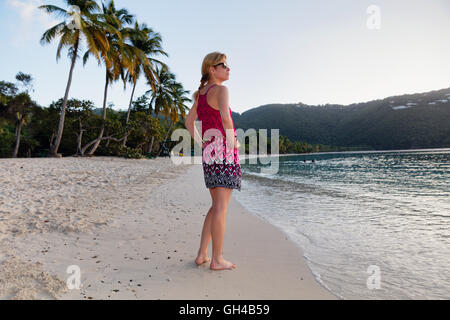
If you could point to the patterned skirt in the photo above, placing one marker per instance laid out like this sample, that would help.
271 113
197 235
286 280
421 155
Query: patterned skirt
221 166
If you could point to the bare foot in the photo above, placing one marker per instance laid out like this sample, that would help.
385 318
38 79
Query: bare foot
201 260
222 265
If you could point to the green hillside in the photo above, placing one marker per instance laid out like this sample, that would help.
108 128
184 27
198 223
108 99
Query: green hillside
419 120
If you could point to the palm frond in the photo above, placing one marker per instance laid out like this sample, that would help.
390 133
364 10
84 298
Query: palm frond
68 39
93 49
59 12
90 6
86 57
52 33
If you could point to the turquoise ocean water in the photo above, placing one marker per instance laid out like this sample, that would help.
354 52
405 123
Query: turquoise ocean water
372 225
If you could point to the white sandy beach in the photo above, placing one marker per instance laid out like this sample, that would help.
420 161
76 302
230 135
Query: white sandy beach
133 227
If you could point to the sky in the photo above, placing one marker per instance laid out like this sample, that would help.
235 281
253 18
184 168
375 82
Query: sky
286 51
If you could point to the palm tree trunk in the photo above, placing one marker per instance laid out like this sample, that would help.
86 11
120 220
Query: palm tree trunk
55 145
151 145
18 130
165 139
80 139
170 127
102 130
129 111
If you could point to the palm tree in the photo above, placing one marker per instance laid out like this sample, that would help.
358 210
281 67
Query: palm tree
180 98
7 91
19 109
161 98
162 101
119 56
148 44
169 98
87 28
26 81
179 107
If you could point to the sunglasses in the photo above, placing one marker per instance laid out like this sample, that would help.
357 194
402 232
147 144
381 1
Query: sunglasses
223 64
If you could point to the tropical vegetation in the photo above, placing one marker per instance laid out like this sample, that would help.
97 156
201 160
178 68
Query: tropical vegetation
127 50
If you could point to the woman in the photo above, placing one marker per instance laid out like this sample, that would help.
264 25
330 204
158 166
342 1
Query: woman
220 154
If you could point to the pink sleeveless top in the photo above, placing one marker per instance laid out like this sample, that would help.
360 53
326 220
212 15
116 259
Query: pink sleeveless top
210 117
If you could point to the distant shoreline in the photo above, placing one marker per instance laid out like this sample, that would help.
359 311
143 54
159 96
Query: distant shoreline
364 151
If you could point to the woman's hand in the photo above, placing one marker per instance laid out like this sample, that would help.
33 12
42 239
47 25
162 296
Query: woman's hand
236 143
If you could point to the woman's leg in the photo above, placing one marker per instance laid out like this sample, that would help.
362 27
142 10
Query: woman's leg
202 255
219 211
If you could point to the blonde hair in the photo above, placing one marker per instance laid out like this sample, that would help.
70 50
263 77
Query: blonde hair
210 60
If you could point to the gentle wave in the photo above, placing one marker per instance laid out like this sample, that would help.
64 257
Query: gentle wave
352 210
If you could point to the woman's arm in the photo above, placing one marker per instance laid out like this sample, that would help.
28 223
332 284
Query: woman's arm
227 121
190 124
